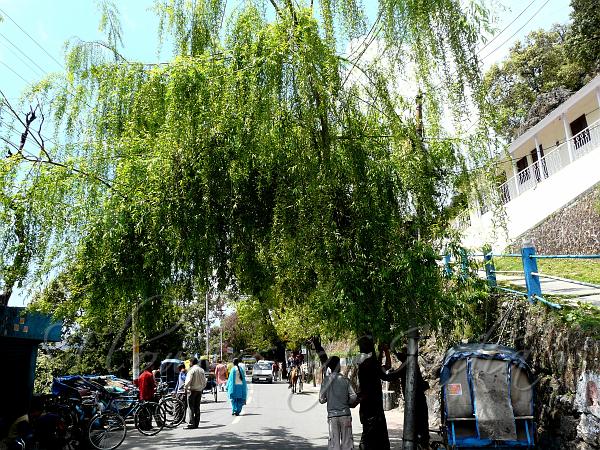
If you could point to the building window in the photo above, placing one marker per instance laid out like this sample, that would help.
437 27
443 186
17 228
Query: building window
522 174
580 131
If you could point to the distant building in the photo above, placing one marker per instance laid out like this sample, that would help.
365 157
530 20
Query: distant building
549 167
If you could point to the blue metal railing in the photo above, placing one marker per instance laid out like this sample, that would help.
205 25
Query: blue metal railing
530 272
566 256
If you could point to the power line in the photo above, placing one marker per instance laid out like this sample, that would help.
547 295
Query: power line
497 35
515 33
29 36
32 69
23 53
15 72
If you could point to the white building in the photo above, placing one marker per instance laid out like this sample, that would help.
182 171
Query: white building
550 165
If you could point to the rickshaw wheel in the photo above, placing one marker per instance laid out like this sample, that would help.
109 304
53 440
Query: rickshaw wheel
106 431
150 418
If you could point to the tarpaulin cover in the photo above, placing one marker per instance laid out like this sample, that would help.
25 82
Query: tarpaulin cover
493 410
458 394
488 397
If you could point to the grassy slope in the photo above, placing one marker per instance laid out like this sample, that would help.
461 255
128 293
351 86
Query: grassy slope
584 315
574 269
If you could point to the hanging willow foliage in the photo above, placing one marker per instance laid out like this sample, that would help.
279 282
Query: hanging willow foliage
253 155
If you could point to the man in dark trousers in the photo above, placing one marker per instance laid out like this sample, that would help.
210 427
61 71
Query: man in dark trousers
195 382
370 375
147 386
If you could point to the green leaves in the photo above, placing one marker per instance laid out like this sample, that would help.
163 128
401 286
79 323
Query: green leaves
246 158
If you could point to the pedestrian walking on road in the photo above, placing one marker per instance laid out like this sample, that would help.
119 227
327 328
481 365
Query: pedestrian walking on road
370 375
337 392
237 388
221 375
195 382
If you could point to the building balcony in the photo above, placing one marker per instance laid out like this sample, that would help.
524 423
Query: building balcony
560 157
548 167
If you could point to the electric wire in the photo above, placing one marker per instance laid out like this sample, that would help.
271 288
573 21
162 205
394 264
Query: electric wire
16 73
497 35
515 33
23 53
29 36
33 70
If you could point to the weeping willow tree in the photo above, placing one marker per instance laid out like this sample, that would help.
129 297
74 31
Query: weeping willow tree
262 156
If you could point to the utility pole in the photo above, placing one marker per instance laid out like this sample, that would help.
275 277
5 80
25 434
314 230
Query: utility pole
410 432
220 329
135 337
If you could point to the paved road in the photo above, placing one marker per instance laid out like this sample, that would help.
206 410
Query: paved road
272 419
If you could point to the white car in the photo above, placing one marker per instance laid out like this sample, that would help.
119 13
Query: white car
262 371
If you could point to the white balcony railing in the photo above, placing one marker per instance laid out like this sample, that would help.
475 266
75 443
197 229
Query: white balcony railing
581 144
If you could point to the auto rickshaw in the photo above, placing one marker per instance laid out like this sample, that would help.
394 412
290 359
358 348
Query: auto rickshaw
487 398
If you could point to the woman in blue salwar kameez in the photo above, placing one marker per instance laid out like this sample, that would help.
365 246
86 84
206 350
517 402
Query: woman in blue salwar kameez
237 389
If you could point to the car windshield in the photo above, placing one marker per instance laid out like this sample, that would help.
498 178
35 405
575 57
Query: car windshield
262 366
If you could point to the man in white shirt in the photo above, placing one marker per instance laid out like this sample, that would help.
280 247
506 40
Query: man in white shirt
195 382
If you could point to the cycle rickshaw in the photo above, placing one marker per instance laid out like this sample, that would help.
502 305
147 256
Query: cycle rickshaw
211 388
487 398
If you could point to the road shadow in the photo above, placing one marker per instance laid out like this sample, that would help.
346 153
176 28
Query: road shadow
395 439
267 439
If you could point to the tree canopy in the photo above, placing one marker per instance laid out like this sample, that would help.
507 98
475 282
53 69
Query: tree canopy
255 158
548 63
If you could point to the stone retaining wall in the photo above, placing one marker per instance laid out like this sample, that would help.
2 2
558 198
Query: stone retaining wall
574 229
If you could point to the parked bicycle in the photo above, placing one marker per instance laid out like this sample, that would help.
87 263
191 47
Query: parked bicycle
107 429
173 407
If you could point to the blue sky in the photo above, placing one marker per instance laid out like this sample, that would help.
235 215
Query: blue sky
52 22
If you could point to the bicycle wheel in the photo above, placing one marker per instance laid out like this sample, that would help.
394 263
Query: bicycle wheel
106 431
174 411
150 418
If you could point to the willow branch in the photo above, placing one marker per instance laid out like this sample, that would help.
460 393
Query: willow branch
28 132
277 10
84 173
